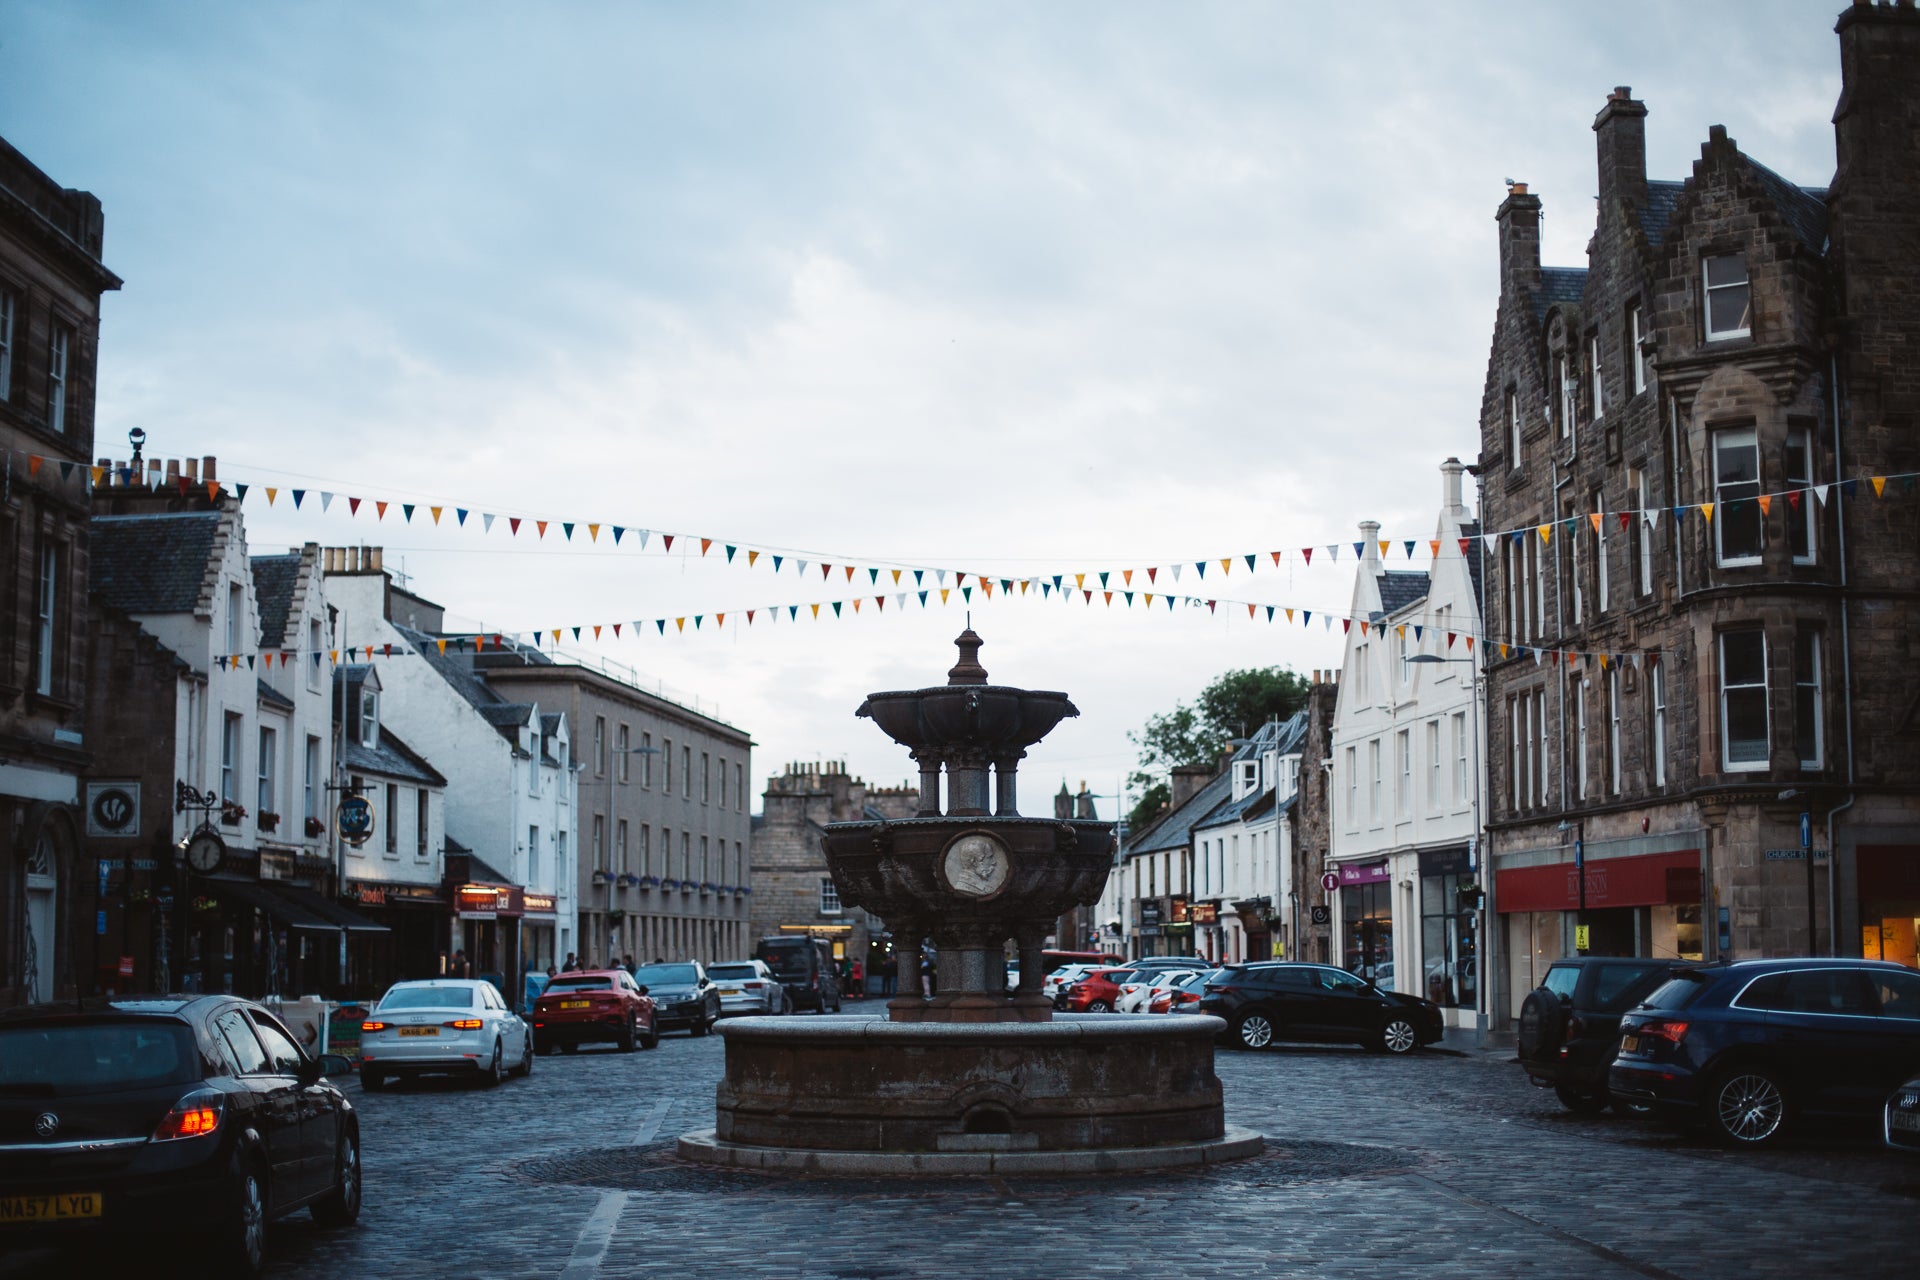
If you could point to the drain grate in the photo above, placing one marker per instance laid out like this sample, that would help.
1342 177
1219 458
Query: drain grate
656 1168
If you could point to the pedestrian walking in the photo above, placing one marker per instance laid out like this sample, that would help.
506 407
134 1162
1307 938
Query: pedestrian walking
459 966
627 964
571 966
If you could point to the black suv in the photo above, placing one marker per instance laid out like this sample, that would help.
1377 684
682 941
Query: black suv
1264 1004
196 1116
1751 1049
1570 1023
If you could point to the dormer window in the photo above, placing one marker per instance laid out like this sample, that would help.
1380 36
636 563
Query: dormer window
1729 297
369 717
1249 776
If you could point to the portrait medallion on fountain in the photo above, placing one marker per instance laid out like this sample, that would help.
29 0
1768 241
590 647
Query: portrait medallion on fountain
976 865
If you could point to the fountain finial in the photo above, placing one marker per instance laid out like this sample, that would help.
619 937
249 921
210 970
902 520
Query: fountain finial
968 670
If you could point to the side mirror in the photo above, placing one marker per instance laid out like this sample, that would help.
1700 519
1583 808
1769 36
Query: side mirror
333 1064
643 988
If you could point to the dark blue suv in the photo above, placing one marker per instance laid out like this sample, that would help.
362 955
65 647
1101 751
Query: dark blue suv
1753 1048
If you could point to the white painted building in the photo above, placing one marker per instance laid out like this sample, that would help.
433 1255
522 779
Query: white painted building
1243 864
510 782
1408 753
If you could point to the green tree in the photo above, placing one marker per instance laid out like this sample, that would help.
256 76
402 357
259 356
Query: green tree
1232 706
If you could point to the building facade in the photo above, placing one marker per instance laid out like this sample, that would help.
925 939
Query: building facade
51 279
1243 859
1310 827
1406 772
1694 569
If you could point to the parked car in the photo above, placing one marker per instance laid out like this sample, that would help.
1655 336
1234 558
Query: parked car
1096 991
443 1026
1160 964
805 968
1183 994
158 1116
1570 1024
1757 1048
1900 1121
1056 983
594 1006
1270 1002
683 996
748 986
1138 994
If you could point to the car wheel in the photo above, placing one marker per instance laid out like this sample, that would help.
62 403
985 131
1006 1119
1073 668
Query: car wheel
340 1207
240 1248
526 1062
627 1037
1099 1006
372 1081
1398 1037
1747 1107
1586 1102
496 1071
1253 1030
1543 1025
650 1038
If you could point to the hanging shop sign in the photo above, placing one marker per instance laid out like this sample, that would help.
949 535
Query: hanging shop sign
354 820
113 809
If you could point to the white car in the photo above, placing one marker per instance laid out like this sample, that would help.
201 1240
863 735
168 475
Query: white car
443 1026
1137 997
748 986
1057 982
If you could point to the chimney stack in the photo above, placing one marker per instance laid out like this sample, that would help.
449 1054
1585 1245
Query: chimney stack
1370 542
1620 138
1452 495
1519 220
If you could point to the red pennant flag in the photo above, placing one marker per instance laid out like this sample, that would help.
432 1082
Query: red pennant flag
1346 625
1153 575
1306 554
353 506
34 463
1626 519
704 544
389 649
1465 545
666 540
616 631
1450 639
513 524
1210 605
825 569
1793 499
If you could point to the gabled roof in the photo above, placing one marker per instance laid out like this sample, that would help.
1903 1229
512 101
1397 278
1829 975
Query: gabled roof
454 668
1657 212
1176 829
152 563
274 578
1558 286
273 697
391 758
1400 588
1804 208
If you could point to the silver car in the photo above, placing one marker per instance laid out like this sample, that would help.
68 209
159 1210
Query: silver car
748 986
443 1026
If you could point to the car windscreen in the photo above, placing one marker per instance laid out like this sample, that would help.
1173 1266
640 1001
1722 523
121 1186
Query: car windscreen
595 983
667 975
733 971
794 959
1677 993
1561 979
96 1057
1615 985
401 998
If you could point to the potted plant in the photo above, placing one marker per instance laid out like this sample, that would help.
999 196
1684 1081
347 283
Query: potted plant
231 813
315 828
616 915
599 877
269 821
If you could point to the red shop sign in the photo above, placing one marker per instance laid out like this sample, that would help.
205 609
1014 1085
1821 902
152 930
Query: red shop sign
1652 879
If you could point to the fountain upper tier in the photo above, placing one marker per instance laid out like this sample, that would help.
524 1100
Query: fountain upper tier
967 726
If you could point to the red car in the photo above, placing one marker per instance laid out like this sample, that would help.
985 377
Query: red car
594 1006
1096 992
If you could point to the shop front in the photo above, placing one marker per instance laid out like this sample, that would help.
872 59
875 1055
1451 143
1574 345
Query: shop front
487 927
413 947
1449 945
1889 877
1366 920
539 933
1641 905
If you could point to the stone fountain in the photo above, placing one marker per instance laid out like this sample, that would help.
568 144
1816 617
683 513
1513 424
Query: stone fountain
976 1079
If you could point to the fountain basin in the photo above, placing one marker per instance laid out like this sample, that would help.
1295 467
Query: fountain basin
898 871
1078 1082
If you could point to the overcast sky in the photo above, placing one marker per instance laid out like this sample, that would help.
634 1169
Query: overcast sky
1014 288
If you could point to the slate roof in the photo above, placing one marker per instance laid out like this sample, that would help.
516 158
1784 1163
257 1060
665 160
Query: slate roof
273 697
1176 829
456 669
1400 588
549 728
1657 212
1476 567
1804 208
1558 285
392 758
152 563
274 578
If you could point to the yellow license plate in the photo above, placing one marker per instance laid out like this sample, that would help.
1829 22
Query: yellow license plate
1629 1044
79 1204
576 1004
419 1031
1907 1120
729 991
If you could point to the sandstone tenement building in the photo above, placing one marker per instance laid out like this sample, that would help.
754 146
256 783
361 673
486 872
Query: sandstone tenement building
1677 446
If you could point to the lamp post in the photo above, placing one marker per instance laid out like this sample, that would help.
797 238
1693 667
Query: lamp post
1484 945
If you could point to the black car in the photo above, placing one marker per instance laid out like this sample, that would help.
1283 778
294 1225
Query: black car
1755 1048
683 996
1264 1004
195 1116
804 968
1570 1024
1900 1124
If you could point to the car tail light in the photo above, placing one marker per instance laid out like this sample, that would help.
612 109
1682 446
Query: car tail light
1575 1028
194 1116
373 1026
465 1024
754 986
1663 1029
816 982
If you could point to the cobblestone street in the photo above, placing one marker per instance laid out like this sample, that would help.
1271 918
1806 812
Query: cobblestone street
1444 1163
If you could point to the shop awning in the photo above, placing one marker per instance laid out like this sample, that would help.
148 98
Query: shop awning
295 906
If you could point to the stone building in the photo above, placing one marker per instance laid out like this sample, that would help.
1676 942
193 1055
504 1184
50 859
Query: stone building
1310 822
51 279
1677 449
792 892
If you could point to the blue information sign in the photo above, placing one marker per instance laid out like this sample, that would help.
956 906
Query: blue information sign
354 820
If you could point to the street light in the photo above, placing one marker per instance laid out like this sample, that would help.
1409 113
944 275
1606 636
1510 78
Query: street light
1486 944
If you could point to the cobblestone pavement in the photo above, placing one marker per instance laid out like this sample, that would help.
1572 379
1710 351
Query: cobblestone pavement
1440 1164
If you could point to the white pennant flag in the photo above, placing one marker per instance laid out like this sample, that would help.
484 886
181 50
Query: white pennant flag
326 500
1653 517
1328 619
1536 657
1490 539
1820 492
643 538
1176 573
900 599
940 575
487 520
1333 551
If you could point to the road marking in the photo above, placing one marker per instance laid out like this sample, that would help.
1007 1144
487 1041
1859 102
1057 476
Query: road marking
595 1236
651 1125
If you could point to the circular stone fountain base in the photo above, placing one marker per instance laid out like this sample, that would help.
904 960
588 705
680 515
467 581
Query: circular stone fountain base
1079 1094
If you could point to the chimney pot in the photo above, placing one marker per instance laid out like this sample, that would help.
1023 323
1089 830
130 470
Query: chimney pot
192 470
210 468
173 470
1518 189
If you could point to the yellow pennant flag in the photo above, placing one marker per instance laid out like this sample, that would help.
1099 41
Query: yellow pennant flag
896 577
1435 546
1080 581
333 656
1593 517
1289 615
1706 509
1546 533
98 474
1226 568
1149 597
1603 662
1024 584
680 624
1385 546
443 647
816 610
751 557
1402 629
1766 504
271 495
436 513
1503 650
593 530
943 595
1879 487
556 635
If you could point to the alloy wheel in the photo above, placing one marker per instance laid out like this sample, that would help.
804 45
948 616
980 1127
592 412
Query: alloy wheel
350 1176
1256 1032
1398 1036
253 1221
1750 1107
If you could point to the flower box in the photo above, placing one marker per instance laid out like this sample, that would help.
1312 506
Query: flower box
315 828
269 821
